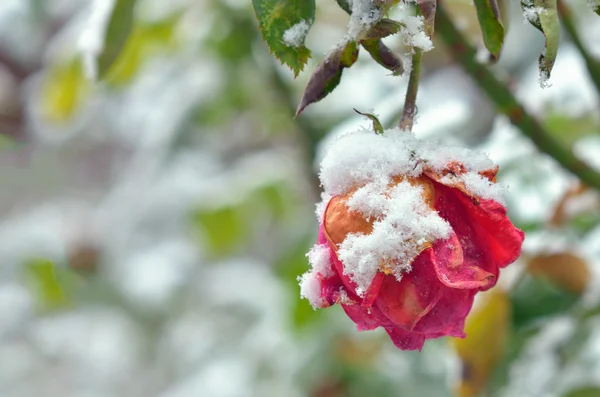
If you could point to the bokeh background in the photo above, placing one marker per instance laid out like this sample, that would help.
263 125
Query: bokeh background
153 225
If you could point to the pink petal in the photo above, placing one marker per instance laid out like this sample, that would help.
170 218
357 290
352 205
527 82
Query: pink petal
404 302
456 271
482 229
448 315
406 340
366 318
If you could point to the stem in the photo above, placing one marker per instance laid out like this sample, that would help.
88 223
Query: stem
592 64
410 103
506 103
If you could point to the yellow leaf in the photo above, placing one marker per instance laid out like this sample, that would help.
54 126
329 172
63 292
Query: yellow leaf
566 270
487 330
63 91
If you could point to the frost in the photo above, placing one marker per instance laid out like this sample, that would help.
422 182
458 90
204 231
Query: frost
294 36
319 258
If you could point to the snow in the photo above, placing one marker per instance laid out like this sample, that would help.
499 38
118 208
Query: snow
310 288
365 14
383 173
405 225
414 33
320 259
294 36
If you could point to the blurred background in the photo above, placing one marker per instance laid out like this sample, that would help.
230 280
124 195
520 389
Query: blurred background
153 225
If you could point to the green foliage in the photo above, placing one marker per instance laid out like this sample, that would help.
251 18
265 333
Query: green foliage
488 15
63 91
590 391
328 74
377 127
222 228
118 30
275 17
48 283
384 56
344 5
569 129
145 40
536 297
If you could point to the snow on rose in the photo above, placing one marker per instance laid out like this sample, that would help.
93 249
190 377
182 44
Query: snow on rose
409 232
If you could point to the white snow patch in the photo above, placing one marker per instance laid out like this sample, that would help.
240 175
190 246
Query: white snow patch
320 259
310 289
414 33
294 36
364 15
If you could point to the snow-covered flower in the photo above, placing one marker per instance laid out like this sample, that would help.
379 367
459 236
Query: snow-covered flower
410 232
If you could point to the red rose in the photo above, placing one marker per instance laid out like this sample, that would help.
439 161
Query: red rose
410 254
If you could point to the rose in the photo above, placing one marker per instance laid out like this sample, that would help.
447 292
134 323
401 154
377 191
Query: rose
409 252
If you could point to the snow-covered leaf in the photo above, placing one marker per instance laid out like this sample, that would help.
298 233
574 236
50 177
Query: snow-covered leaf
543 15
284 25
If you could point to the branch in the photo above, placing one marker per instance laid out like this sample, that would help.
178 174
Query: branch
410 103
592 64
506 103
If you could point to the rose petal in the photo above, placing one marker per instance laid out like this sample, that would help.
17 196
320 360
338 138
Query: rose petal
482 229
406 340
404 302
448 316
366 318
454 270
493 227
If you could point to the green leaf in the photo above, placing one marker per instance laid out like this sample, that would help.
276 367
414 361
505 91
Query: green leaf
117 32
384 56
377 127
589 391
63 91
488 15
275 17
221 229
536 297
344 5
427 9
328 74
543 15
48 287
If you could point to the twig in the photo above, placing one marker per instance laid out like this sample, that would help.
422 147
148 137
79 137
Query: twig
506 103
593 65
410 103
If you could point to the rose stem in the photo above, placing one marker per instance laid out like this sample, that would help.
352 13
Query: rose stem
410 103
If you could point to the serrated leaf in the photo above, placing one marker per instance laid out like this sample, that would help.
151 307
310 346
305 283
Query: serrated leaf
384 56
384 28
328 74
117 32
543 15
492 30
427 8
275 17
487 329
377 127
